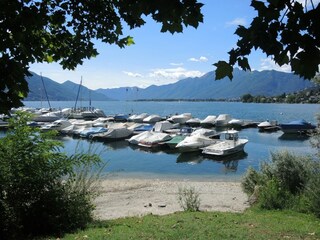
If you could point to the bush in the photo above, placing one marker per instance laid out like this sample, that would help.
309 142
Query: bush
312 191
272 196
189 199
291 171
251 179
288 181
41 188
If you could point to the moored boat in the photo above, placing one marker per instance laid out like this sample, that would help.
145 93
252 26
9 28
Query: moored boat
298 126
194 143
113 134
208 122
230 145
223 120
57 125
180 118
154 140
152 119
193 122
268 126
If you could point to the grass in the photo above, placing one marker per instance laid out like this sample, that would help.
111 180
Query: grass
252 224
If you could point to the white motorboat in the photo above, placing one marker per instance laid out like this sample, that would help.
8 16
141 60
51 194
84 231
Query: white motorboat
268 126
154 140
57 125
70 129
152 119
234 122
209 121
138 118
92 113
194 143
211 133
47 117
223 120
163 126
137 138
193 122
231 144
113 134
181 118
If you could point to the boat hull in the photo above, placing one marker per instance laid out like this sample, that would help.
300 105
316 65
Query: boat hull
297 128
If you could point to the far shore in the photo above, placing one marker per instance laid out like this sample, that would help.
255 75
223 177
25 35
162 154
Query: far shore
128 197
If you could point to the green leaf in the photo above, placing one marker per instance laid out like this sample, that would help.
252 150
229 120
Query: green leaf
49 59
243 63
130 41
223 70
21 94
258 5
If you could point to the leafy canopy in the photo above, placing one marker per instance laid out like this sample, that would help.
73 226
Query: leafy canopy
42 189
286 30
63 31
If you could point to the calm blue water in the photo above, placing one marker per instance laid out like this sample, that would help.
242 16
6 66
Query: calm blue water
127 161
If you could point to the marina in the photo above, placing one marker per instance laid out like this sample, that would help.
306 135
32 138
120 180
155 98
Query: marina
128 160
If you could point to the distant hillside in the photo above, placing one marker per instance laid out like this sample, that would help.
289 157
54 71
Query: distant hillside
267 83
66 91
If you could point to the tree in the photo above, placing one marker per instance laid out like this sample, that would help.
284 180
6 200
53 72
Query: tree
247 98
42 189
286 30
63 31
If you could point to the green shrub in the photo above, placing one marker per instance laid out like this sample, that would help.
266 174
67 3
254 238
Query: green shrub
251 179
189 199
312 191
42 190
272 196
292 171
288 181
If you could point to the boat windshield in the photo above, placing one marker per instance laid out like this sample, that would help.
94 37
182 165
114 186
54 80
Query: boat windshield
231 136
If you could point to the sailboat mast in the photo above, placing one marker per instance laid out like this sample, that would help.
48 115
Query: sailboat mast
45 91
75 105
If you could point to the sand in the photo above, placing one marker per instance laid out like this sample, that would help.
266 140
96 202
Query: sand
137 197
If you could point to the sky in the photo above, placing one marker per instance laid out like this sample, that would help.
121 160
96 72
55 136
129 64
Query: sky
162 58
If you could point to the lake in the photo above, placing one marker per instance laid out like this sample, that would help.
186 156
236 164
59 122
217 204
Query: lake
127 161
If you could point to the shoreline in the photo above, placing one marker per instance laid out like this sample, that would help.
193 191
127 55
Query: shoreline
128 197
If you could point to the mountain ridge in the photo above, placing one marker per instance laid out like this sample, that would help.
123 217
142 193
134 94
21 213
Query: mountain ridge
66 91
266 83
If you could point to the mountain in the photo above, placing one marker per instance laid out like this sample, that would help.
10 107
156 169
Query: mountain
66 91
267 83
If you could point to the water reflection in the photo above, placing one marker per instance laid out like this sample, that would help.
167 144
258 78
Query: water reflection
115 145
230 162
233 157
230 166
191 158
294 137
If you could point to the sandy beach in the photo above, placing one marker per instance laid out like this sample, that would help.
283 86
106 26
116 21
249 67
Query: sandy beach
137 197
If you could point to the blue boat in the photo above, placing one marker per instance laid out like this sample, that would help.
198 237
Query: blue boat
91 131
121 118
297 126
143 128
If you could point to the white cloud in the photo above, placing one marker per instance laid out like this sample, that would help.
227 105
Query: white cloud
200 59
237 22
269 64
176 64
174 73
131 74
